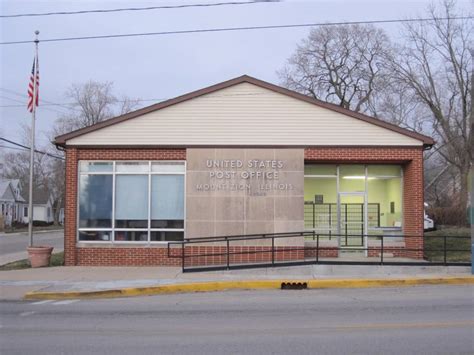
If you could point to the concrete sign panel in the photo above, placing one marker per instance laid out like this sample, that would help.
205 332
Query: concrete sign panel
244 191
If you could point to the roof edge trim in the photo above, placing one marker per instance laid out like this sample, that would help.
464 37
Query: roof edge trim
62 139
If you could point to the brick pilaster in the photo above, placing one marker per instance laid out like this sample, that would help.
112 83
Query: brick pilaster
70 208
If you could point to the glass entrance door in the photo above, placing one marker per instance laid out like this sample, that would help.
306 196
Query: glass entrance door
352 216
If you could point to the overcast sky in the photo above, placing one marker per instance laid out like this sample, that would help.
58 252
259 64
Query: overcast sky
160 67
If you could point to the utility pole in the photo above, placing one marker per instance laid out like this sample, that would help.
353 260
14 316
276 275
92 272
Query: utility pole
471 147
32 145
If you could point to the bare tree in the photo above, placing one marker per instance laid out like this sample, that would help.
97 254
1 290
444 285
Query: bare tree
435 66
339 64
58 186
92 102
17 166
397 105
17 163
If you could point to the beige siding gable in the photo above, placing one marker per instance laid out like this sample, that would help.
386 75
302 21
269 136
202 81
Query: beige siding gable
244 114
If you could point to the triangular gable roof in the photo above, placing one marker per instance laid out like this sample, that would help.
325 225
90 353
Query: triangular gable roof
16 183
41 195
62 139
6 191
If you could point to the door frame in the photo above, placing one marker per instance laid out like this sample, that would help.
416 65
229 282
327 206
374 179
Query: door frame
365 214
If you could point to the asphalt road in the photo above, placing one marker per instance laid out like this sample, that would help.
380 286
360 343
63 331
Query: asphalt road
13 246
415 320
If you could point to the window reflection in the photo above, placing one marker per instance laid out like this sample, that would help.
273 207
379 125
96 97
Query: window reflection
131 201
95 201
137 207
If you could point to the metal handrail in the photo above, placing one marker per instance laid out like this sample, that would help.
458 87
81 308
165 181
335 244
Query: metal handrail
317 238
260 235
294 235
310 233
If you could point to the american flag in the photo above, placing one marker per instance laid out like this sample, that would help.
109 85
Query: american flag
31 85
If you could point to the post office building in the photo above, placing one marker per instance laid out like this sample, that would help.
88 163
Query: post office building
241 158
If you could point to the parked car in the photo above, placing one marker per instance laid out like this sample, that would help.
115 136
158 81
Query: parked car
428 222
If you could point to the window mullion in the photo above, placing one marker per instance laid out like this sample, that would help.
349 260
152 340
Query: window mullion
149 201
113 204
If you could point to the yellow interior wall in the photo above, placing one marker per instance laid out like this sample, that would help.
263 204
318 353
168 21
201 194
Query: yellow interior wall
377 193
382 191
394 193
321 186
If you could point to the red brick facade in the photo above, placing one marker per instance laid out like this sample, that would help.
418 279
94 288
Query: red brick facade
108 256
398 252
240 255
411 158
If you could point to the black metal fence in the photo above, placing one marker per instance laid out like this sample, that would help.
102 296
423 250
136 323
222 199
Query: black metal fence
287 249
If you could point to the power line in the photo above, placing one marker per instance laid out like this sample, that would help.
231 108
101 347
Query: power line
36 151
228 29
24 104
12 148
24 96
163 7
9 98
66 104
69 104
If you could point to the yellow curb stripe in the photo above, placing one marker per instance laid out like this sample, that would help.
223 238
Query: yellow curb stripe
247 285
407 325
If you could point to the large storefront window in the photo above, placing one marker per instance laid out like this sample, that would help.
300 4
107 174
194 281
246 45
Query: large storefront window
131 201
353 199
384 189
320 195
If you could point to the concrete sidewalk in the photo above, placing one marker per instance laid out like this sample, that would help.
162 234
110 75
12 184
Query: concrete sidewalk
16 283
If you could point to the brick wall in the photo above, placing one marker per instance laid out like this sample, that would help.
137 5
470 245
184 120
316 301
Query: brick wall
324 252
217 255
413 206
77 256
366 155
123 256
411 158
195 255
70 207
397 252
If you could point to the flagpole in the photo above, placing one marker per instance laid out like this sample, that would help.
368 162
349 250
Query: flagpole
32 144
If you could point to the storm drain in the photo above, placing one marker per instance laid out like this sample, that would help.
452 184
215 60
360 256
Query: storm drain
294 285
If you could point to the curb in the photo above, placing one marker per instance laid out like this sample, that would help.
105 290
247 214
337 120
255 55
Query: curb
3 234
246 285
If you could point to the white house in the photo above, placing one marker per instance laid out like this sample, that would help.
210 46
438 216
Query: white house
42 206
21 203
12 203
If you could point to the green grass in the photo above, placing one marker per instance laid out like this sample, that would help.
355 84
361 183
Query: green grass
451 231
56 260
458 249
